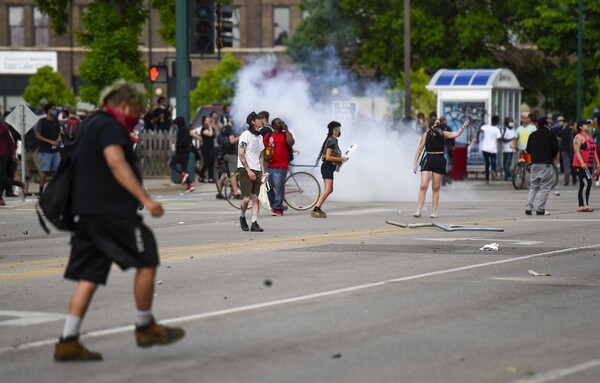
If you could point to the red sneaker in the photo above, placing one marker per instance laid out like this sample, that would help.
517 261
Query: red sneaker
189 188
276 212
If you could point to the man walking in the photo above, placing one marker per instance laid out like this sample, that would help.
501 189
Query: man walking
543 147
47 131
251 165
106 192
278 143
489 146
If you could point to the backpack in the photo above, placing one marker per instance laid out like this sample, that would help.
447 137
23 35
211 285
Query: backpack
224 142
290 150
71 128
55 201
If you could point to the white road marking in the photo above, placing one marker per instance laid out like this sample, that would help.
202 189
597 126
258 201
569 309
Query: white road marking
514 241
559 372
301 298
27 318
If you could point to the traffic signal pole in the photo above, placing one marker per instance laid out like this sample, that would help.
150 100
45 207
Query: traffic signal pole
182 81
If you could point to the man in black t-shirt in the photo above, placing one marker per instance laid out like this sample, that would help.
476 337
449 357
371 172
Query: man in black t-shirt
162 116
47 131
106 193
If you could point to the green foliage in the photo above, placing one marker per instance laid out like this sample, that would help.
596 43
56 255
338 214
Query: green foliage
421 99
112 32
47 86
166 14
217 86
58 12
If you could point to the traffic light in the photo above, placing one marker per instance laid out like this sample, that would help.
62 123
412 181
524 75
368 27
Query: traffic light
202 26
158 73
224 26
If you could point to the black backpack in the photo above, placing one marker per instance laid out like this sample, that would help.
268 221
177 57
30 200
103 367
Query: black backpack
55 201
224 142
71 128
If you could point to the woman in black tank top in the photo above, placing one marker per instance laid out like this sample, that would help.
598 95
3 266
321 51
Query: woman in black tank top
433 163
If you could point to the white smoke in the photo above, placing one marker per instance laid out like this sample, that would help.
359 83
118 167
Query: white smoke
379 170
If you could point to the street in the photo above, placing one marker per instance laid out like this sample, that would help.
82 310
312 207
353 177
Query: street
348 298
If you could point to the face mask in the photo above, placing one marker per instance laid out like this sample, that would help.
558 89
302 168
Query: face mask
126 121
339 134
54 113
511 125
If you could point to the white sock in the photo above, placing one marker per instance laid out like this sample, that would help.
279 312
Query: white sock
72 325
143 318
243 214
254 218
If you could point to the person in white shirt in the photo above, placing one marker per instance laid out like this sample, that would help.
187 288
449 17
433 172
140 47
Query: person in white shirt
251 167
508 135
489 146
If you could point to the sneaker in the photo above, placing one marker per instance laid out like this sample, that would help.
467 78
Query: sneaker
157 334
220 196
184 177
255 227
244 224
528 212
189 188
417 213
276 212
2 203
70 349
542 212
237 196
433 214
318 213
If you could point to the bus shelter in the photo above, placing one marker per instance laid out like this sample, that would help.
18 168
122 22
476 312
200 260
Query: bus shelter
477 94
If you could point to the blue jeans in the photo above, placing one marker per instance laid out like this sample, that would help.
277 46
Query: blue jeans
277 183
507 162
490 159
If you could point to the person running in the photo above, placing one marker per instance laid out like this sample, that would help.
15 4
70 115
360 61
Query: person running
251 165
433 164
106 192
181 157
585 162
331 155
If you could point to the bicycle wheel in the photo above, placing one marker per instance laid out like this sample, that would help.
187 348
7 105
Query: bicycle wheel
555 179
519 175
302 190
233 200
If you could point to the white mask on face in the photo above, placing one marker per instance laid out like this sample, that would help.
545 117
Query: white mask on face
511 124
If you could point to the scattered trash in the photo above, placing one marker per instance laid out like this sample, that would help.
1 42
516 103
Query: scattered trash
25 232
557 194
168 267
445 227
536 274
159 282
511 369
224 297
362 242
268 282
399 212
336 356
181 223
491 247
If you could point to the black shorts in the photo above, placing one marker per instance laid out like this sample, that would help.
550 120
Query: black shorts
100 240
327 169
434 163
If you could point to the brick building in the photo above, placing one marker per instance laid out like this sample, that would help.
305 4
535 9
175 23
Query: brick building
27 42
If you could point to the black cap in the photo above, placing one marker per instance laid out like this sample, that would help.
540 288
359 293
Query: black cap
584 122
251 117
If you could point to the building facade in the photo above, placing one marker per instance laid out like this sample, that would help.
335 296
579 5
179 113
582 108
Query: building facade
27 42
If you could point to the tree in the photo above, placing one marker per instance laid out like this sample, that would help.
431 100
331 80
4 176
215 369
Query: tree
166 14
217 85
47 86
421 99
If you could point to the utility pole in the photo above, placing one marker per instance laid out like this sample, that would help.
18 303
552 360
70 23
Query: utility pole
182 57
579 60
407 112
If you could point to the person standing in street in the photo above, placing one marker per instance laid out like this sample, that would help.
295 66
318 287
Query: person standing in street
489 146
542 145
565 140
508 134
585 162
47 131
181 157
7 154
251 165
331 155
106 192
279 142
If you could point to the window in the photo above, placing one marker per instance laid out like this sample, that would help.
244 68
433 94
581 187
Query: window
235 19
16 22
42 27
281 25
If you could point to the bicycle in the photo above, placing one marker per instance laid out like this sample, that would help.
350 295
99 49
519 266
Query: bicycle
302 190
521 174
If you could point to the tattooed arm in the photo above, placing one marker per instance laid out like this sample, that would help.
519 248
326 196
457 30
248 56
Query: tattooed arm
242 156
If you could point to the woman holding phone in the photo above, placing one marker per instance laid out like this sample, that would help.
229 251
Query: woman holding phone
433 163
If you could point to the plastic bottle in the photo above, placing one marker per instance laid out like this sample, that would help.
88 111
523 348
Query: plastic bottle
588 174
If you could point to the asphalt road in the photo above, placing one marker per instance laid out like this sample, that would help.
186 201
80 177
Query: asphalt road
350 298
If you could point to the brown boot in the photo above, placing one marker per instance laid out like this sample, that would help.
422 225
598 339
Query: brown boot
157 334
70 349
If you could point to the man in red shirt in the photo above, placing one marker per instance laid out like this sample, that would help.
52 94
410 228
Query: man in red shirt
7 153
277 147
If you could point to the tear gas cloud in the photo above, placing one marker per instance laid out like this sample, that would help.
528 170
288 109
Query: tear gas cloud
379 170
